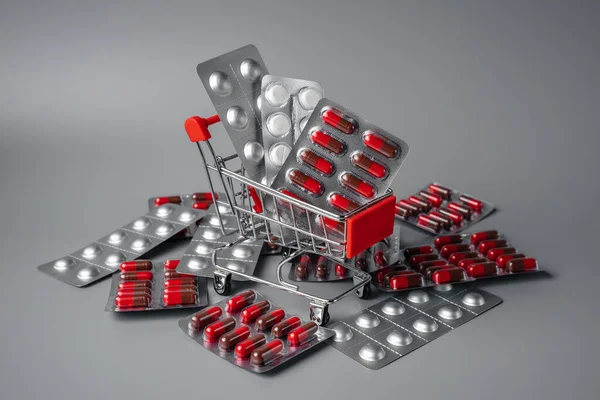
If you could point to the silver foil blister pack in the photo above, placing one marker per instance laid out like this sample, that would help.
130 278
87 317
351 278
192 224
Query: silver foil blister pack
401 324
440 209
286 104
232 81
197 201
145 285
341 161
250 332
104 256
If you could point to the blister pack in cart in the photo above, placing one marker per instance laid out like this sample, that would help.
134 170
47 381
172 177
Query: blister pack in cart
401 324
197 201
456 258
250 332
144 285
130 242
240 254
439 209
286 105
341 161
232 82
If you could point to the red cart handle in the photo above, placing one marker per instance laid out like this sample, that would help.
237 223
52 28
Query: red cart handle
197 127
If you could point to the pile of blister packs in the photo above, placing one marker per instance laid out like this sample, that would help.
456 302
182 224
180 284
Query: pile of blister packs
310 184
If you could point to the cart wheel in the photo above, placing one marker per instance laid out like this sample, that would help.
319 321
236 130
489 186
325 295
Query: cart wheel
364 292
324 317
222 284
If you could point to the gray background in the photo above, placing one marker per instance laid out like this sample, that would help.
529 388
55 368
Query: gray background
498 98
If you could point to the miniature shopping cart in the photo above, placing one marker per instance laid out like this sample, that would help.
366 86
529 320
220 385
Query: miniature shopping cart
264 213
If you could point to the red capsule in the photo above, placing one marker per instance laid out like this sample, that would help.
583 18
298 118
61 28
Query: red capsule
461 255
478 237
336 119
521 265
282 329
484 246
250 313
358 185
482 269
138 265
321 269
188 280
373 168
493 254
267 352
403 212
159 201
443 220
414 261
379 256
135 285
214 331
431 270
205 317
137 276
137 300
342 203
170 274
205 196
455 217
179 298
134 292
336 226
244 348
424 205
450 249
266 321
422 267
413 251
445 193
316 161
181 289
427 222
449 275
459 208
361 261
327 142
230 339
474 204
380 145
340 270
302 334
408 205
406 281
384 277
503 259
440 241
201 205
468 261
303 267
305 182
434 199
239 301
171 265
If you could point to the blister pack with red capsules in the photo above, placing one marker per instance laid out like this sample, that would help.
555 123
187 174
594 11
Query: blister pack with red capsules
144 285
439 209
130 242
456 258
341 161
249 331
197 201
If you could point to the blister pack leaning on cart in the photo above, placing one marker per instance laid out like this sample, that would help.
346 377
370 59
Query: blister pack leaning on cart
360 228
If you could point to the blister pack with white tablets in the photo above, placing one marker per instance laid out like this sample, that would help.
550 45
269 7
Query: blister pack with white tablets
341 161
401 324
286 105
144 285
241 257
251 333
104 256
232 81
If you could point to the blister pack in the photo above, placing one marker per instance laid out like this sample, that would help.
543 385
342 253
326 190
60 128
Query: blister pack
232 82
438 209
242 257
104 256
453 259
286 105
197 201
144 285
250 332
341 161
398 325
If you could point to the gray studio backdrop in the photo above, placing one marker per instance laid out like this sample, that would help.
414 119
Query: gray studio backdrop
498 98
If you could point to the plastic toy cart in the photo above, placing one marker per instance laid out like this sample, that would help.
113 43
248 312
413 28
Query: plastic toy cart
264 213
